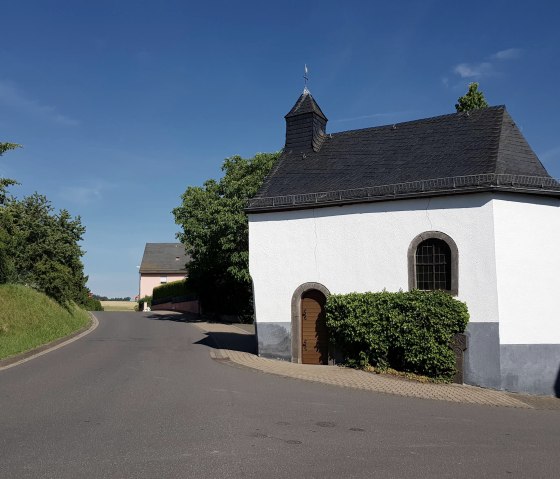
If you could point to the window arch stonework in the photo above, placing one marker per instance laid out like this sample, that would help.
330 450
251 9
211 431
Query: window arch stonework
454 266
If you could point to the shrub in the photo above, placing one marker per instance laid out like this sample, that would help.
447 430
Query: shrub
167 292
407 331
141 301
91 304
7 270
54 279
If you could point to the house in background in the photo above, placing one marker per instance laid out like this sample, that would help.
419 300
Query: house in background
458 202
162 263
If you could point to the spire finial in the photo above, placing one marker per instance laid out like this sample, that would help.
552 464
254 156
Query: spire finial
305 78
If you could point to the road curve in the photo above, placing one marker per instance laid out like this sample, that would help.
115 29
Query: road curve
140 397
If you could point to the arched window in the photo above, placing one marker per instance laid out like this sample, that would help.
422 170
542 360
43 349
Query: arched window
433 263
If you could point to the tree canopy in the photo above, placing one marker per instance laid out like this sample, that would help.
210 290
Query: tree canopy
6 182
44 247
472 100
216 234
39 246
4 147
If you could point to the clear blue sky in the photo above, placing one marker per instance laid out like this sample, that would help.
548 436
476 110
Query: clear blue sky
121 105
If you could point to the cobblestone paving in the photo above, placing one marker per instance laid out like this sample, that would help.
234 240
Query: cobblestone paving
351 378
381 383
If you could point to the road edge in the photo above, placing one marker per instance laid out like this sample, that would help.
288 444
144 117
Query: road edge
52 346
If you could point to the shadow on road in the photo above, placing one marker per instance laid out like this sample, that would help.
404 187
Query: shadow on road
557 385
177 317
217 340
235 341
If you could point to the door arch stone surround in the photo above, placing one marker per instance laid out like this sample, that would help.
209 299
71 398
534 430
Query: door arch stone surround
296 315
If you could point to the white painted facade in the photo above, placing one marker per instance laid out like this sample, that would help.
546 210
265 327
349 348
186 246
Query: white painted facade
363 247
508 272
527 231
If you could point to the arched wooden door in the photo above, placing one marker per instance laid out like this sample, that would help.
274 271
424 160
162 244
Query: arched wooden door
314 335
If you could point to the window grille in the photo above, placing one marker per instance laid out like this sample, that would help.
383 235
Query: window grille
433 265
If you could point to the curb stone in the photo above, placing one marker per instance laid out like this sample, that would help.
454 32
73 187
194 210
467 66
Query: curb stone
380 383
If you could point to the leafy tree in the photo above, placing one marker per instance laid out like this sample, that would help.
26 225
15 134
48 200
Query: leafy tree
40 247
472 100
6 182
7 269
6 265
44 247
4 147
216 233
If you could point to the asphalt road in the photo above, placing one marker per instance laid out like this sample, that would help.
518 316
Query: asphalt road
141 398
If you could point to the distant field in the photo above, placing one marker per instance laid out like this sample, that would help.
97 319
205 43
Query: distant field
118 305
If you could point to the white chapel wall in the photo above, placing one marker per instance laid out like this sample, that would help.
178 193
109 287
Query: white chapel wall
528 264
363 247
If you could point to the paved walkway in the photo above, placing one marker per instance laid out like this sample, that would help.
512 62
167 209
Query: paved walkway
356 379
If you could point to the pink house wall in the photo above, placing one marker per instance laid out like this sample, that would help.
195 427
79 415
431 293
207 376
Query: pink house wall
149 281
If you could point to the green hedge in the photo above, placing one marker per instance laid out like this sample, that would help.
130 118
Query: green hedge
145 299
168 291
406 331
92 304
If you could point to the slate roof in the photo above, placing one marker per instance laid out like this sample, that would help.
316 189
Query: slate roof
455 153
306 104
164 258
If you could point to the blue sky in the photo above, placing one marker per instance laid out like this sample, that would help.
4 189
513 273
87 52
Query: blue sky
121 105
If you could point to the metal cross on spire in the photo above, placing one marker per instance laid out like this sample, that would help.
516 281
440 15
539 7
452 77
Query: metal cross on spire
305 78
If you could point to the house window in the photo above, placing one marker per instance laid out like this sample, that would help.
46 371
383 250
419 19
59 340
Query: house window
433 262
163 280
433 265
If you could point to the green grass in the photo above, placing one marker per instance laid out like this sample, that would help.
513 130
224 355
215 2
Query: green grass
118 305
29 319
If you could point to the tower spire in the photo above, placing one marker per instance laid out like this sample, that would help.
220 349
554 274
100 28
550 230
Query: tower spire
305 79
305 124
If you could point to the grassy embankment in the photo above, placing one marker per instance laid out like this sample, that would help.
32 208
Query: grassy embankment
29 319
118 305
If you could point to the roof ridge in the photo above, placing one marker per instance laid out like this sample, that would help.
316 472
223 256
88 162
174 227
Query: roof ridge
454 145
169 242
420 120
